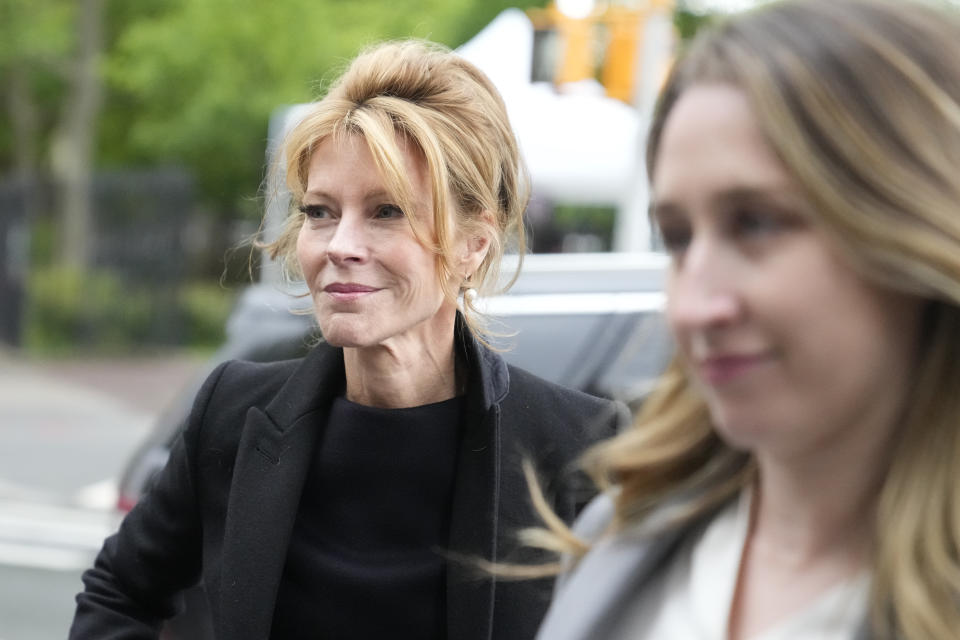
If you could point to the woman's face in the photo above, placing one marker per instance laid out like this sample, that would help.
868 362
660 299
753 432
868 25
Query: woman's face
791 349
371 280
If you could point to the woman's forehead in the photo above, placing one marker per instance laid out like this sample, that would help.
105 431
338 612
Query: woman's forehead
342 165
712 139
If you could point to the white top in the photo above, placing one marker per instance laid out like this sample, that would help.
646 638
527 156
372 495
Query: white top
691 599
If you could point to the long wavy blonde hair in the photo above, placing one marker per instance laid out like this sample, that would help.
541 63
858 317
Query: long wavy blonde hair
860 99
418 93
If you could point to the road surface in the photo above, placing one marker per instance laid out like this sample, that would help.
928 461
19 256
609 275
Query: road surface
67 429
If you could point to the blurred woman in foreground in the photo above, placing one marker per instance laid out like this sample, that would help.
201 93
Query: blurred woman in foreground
321 498
797 472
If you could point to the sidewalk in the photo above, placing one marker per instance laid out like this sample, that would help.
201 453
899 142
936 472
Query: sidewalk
69 426
67 430
146 383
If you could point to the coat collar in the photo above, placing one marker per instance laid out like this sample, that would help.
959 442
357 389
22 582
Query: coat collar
276 449
311 387
616 568
619 567
317 380
489 376
475 509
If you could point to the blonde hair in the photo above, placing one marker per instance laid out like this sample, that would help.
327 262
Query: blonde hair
860 99
418 93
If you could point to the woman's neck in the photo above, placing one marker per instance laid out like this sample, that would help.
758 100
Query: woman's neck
401 373
811 527
813 497
803 514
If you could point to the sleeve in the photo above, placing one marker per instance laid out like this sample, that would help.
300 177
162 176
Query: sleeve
575 485
578 599
590 525
135 582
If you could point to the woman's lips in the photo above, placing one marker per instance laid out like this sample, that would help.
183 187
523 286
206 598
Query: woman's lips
345 292
717 370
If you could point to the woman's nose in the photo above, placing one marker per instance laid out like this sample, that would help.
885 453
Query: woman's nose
348 242
703 290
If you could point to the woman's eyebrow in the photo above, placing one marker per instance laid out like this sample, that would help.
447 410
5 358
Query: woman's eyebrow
375 194
664 210
779 195
381 195
317 193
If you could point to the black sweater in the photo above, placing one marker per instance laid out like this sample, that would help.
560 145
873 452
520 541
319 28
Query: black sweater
365 555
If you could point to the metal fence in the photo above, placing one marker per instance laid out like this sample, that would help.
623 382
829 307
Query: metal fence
14 250
138 238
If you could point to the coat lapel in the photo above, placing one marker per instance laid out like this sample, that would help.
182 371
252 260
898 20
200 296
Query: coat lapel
613 571
275 451
475 512
590 598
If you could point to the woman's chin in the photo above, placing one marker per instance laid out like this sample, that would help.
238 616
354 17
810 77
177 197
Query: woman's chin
345 334
745 430
345 340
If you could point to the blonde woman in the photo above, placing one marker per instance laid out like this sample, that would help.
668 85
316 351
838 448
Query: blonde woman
797 472
322 497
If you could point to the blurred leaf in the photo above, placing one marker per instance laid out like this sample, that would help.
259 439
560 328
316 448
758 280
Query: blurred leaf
192 83
689 22
35 32
203 77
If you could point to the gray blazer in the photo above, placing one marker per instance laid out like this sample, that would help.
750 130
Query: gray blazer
592 598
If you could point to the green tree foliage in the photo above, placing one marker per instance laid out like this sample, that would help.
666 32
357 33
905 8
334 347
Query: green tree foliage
35 41
194 82
688 22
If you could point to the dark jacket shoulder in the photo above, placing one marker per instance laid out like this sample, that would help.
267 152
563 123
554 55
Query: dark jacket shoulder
258 381
556 423
530 394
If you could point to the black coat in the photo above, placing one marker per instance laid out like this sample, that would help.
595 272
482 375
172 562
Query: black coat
224 506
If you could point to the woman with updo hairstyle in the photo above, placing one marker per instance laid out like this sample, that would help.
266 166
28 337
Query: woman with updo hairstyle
355 492
796 473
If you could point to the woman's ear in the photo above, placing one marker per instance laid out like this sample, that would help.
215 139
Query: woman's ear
474 250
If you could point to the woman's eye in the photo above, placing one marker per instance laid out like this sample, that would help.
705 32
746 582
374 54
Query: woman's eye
388 211
314 211
756 223
675 239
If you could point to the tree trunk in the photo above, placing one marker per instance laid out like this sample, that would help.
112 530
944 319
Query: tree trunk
23 117
73 143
